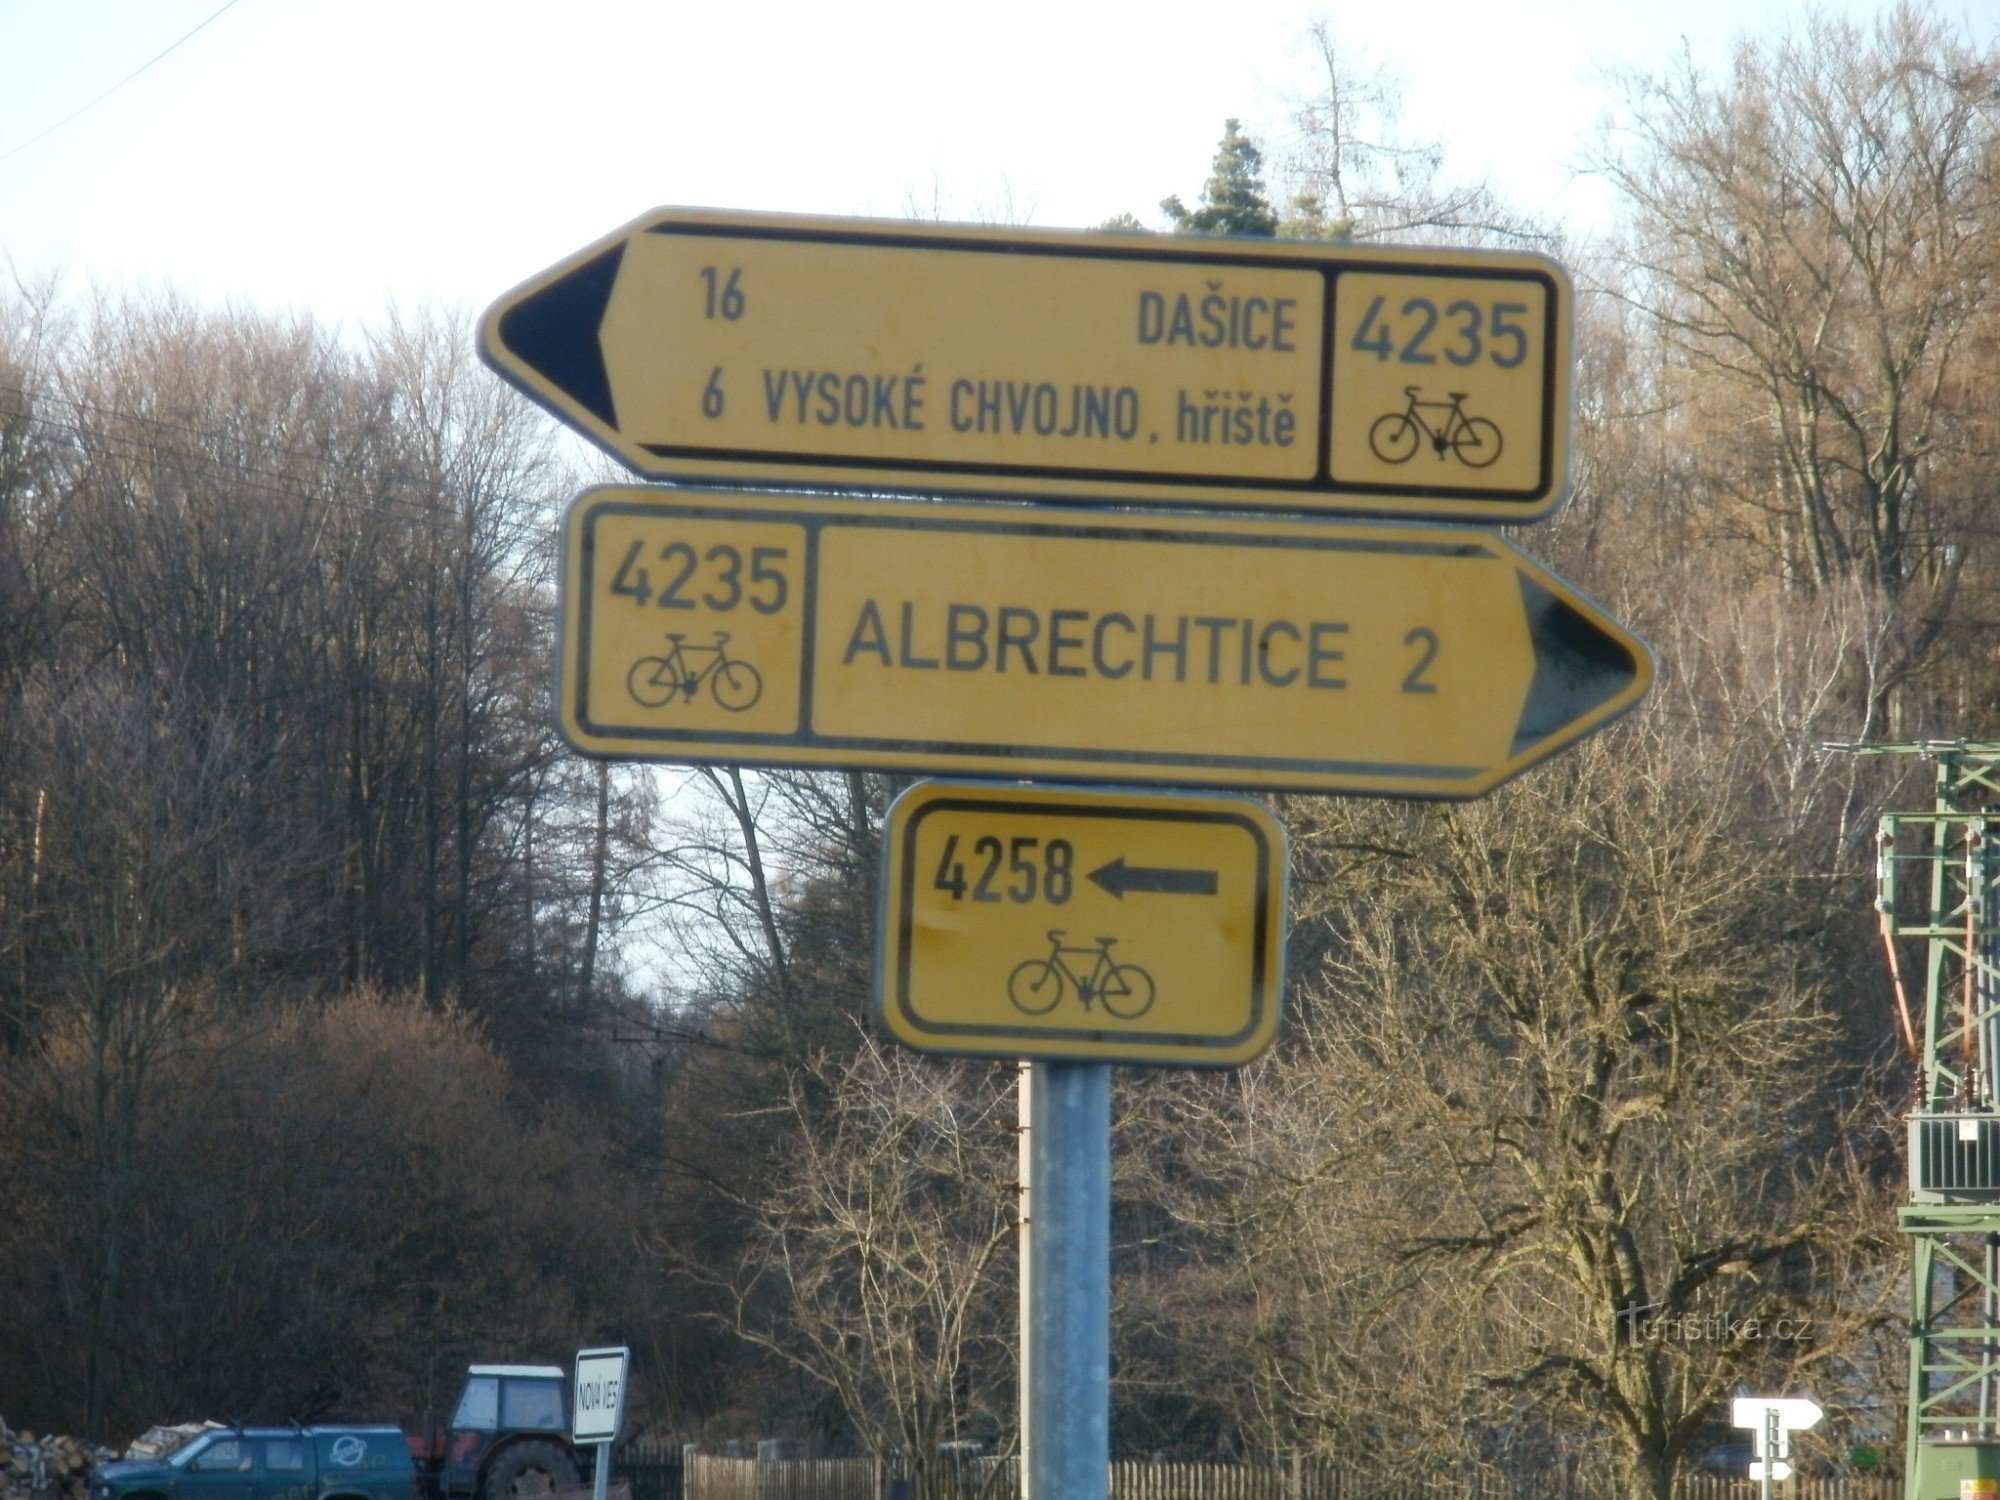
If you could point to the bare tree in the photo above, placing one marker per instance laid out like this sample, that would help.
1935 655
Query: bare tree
144 874
273 633
1815 237
332 1205
1355 174
477 477
876 1262
1541 1120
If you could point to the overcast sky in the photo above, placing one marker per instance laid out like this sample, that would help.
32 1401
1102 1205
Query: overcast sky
333 155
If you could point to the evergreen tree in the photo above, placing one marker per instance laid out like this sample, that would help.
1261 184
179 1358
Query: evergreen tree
1232 201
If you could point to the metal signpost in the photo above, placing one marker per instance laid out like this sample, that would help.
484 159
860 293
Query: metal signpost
1413 661
1195 646
805 353
1065 1280
1771 1420
597 1408
1170 950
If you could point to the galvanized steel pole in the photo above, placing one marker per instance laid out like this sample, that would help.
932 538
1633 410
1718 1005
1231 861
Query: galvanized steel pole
1066 1282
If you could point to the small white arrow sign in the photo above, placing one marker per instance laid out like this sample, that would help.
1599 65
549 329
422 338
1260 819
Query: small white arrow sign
1795 1413
1779 1469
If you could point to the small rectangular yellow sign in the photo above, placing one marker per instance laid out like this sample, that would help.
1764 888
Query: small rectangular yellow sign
1098 926
1024 641
924 359
1440 380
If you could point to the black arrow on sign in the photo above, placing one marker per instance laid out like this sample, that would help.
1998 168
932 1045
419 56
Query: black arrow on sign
1579 664
554 332
1119 877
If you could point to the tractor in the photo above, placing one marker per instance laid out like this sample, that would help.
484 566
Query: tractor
508 1439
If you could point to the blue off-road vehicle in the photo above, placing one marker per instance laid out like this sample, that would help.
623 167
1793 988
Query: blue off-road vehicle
270 1463
508 1439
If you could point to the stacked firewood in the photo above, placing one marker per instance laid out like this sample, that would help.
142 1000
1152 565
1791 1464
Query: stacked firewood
162 1442
46 1466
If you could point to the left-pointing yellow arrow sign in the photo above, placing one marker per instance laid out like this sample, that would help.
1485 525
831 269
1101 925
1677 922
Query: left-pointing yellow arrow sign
1022 641
995 940
698 345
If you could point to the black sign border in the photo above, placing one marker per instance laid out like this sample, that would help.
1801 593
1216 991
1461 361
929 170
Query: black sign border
1267 960
768 748
1320 496
1322 482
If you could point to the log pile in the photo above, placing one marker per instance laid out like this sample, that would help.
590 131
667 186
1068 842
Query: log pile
46 1466
161 1442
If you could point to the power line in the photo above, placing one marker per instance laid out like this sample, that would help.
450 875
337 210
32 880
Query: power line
92 104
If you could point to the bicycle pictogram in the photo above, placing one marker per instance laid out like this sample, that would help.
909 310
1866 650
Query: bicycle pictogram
1037 985
1395 436
655 681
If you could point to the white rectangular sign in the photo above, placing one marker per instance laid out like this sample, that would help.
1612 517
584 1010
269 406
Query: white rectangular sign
598 1410
1795 1414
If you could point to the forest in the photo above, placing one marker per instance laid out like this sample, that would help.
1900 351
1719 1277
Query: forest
352 1028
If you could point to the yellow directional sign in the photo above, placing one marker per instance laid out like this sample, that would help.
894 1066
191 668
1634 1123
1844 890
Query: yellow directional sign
890 357
1019 641
1098 926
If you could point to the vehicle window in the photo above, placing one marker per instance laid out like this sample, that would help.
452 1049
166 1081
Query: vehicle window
479 1407
284 1456
533 1406
223 1456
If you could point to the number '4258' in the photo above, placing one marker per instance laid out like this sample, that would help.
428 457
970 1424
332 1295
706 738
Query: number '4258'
1032 869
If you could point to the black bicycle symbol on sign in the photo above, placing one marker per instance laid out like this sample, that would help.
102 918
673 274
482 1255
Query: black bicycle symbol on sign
1037 985
655 681
1473 441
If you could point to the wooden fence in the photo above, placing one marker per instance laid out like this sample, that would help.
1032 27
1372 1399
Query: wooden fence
711 1478
1843 1487
708 1477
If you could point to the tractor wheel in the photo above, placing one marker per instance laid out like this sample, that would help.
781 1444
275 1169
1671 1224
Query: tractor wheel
530 1471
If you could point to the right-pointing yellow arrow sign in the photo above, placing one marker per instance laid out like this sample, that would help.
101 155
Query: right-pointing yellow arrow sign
1075 645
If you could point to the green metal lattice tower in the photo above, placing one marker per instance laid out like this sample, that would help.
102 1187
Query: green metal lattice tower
1938 893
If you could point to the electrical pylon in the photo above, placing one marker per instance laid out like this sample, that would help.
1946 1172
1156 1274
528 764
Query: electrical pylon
1938 894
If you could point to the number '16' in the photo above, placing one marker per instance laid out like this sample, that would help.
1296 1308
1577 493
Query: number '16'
723 295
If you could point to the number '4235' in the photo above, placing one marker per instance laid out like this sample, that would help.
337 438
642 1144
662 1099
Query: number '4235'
1461 333
720 578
